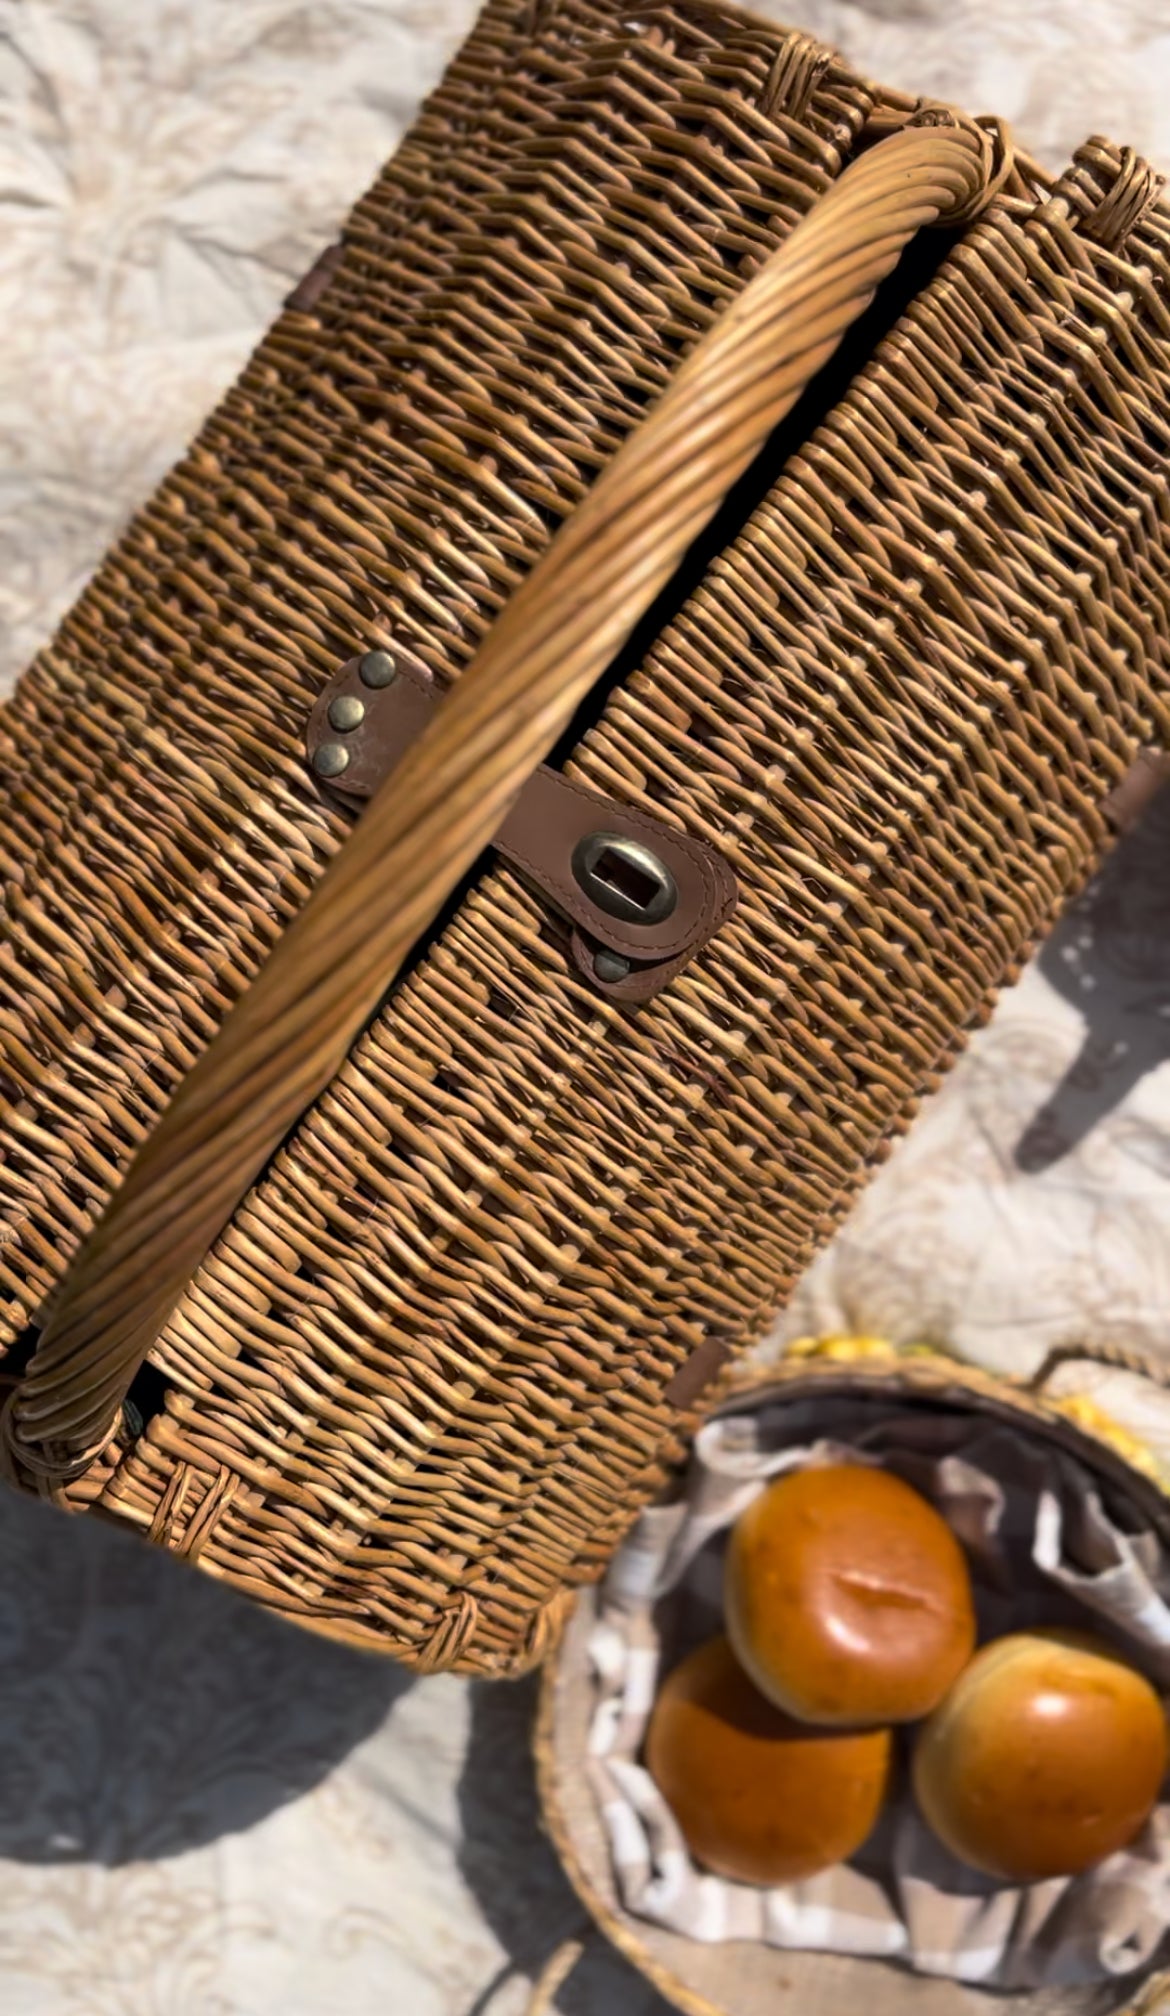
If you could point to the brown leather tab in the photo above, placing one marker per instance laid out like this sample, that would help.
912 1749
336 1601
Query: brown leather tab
697 1372
309 289
539 837
393 717
358 731
1141 784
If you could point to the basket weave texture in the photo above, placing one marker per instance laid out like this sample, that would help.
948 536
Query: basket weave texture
420 1387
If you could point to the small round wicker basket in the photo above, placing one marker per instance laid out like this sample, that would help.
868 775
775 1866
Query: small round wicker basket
749 1979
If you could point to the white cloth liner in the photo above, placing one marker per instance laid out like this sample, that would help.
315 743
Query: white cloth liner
1044 1547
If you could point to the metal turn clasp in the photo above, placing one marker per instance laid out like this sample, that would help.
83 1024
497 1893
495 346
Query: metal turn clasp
624 878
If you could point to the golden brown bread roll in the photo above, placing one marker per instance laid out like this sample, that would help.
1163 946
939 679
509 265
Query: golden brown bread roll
847 1597
1046 1756
759 1797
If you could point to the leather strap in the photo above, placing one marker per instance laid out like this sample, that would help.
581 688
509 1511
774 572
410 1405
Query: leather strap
1146 776
310 287
547 821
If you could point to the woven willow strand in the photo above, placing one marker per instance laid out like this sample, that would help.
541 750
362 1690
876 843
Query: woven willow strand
289 1034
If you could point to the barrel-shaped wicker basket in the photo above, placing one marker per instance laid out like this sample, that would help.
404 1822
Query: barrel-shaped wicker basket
743 1978
360 1238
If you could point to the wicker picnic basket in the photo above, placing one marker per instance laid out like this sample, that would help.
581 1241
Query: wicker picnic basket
819 556
747 1978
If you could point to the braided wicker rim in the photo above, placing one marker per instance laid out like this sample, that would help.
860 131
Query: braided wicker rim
945 1382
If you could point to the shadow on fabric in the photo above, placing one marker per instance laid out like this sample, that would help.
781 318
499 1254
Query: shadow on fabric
513 1872
1110 957
146 1709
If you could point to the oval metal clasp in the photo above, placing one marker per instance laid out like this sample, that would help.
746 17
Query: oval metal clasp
624 878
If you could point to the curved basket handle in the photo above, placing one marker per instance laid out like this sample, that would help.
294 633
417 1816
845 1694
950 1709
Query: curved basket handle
289 1034
1153 1995
556 1971
1116 1357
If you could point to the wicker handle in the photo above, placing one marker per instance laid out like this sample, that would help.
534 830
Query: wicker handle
289 1035
555 1973
1153 1997
1117 1357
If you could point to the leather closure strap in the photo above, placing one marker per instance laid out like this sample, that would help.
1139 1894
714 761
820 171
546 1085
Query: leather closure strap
378 705
1148 774
309 289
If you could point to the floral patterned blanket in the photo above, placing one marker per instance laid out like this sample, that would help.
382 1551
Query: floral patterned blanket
203 1813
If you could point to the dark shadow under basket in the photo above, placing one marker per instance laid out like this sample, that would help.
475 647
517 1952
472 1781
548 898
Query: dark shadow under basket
743 1978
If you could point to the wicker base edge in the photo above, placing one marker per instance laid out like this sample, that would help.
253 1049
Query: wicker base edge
434 1654
616 1929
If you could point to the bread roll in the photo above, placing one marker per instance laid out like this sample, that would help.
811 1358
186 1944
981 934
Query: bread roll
1046 1756
847 1597
759 1797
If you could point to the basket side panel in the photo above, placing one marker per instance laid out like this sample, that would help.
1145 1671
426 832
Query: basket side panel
436 1346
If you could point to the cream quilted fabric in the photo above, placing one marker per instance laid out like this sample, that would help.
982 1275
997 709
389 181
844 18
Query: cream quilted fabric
202 1813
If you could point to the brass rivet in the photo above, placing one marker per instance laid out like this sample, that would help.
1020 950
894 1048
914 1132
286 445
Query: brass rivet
610 966
330 759
377 669
346 713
